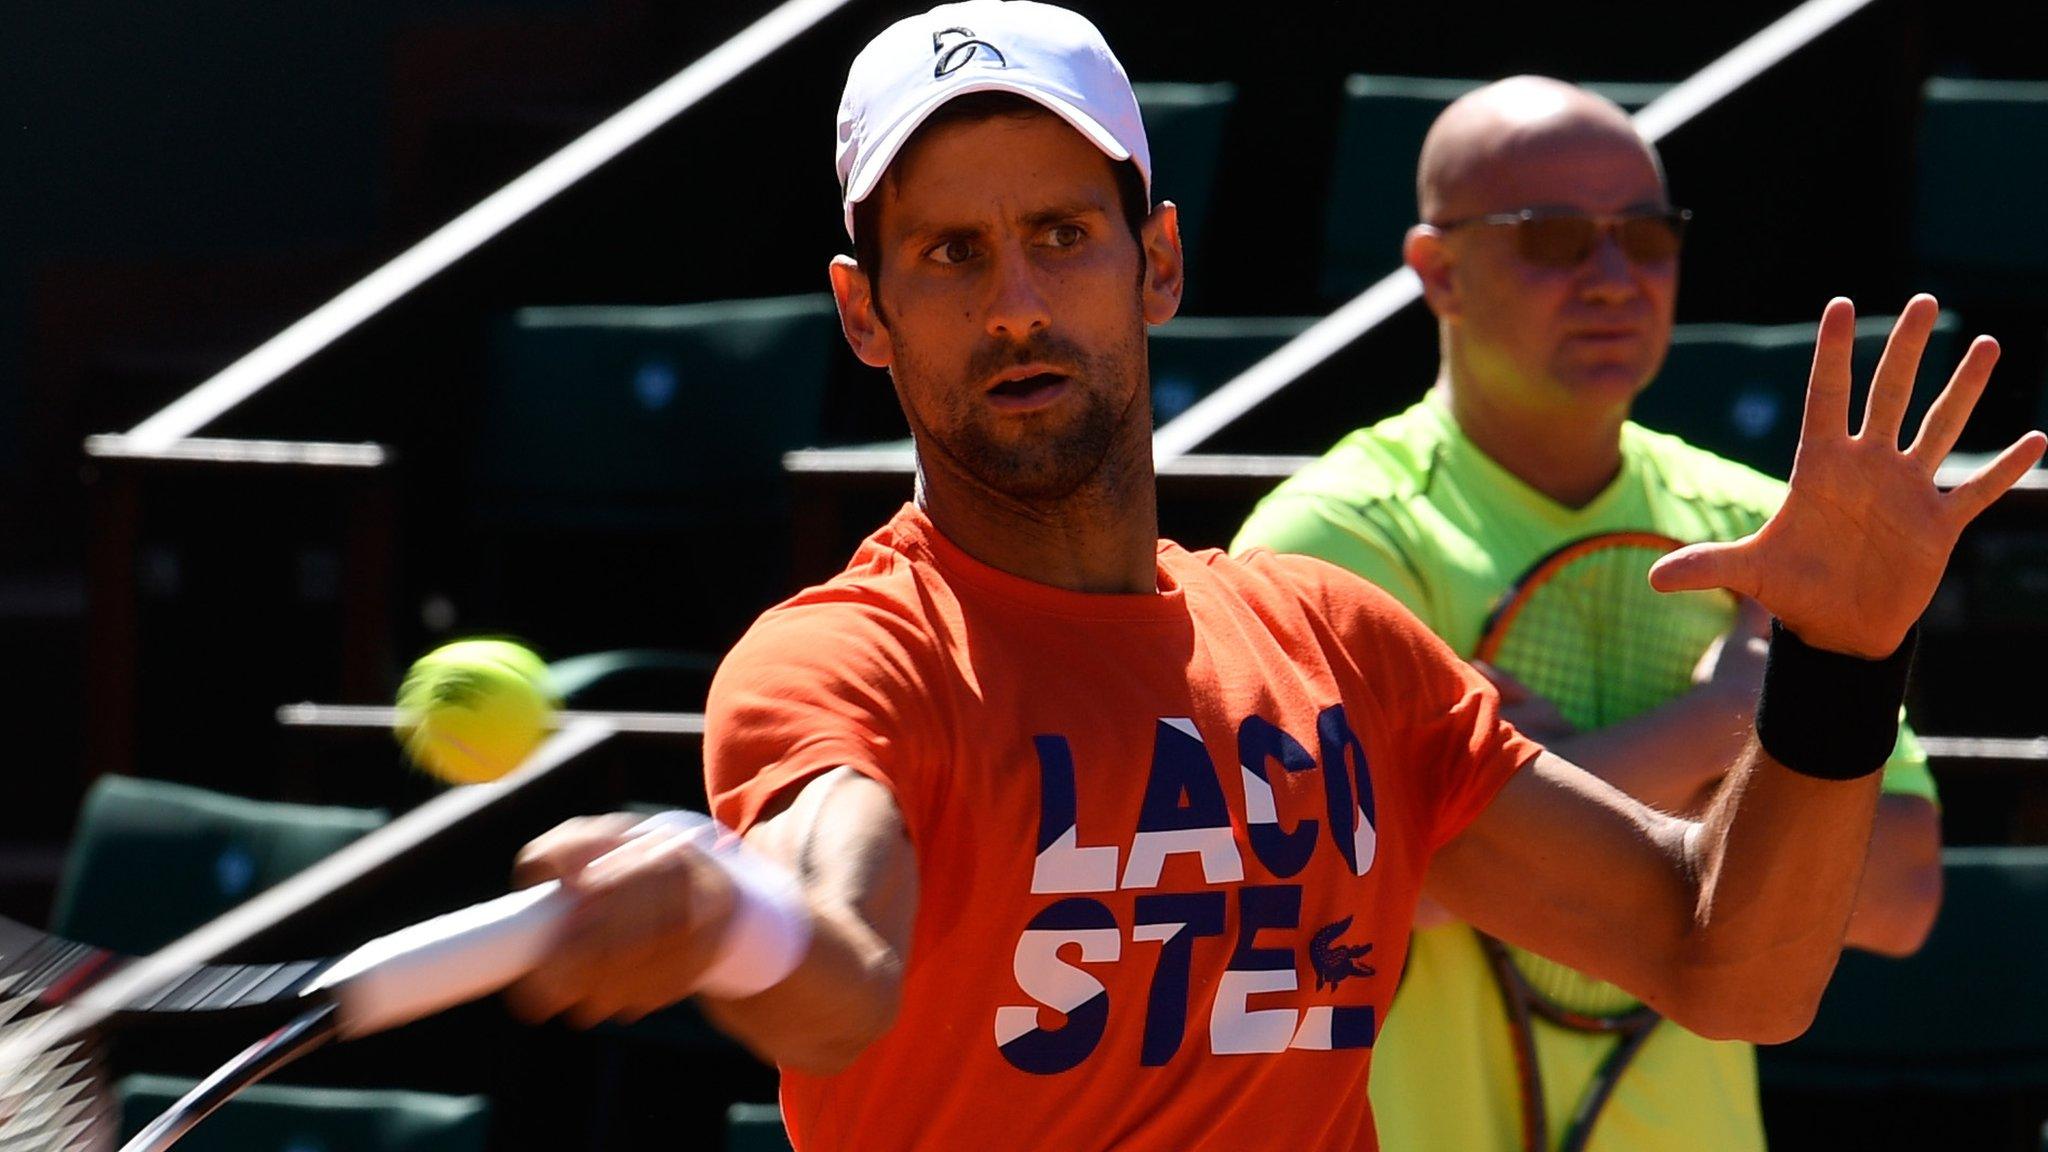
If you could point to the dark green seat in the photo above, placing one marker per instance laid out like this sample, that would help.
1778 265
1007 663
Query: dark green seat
152 860
1192 355
627 679
1968 1013
1372 181
1980 168
1740 389
650 417
755 1128
1184 123
275 1118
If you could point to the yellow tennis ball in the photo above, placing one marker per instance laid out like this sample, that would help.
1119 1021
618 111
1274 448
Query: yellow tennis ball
470 711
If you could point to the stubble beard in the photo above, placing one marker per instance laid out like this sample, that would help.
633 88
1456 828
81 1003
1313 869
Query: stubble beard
1065 452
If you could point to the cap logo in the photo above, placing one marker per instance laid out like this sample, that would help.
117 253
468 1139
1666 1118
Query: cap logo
956 48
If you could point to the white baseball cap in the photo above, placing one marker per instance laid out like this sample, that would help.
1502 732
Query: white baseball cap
1049 55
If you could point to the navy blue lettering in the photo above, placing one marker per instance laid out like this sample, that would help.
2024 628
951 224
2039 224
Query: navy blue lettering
1284 853
1175 920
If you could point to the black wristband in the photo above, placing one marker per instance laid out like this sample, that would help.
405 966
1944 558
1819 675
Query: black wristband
1829 715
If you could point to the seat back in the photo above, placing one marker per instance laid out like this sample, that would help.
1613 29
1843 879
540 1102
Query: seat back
1740 389
1980 166
1185 123
639 416
1191 355
277 1118
151 860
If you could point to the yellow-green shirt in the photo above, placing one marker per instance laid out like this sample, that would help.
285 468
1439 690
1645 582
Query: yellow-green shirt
1418 509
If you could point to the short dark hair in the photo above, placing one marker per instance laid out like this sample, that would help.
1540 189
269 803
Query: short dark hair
972 108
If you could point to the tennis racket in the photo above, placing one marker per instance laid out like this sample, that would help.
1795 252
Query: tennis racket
1583 628
59 999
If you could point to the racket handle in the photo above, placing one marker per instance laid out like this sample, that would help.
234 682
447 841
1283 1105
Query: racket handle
463 955
437 964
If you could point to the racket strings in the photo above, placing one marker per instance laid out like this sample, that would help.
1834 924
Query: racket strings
1595 639
52 1096
1567 991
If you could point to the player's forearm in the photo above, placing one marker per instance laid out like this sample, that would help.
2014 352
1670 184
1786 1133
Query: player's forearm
1901 890
1671 756
1778 859
845 840
842 998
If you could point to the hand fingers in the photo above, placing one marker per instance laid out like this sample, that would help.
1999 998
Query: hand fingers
1951 411
630 945
1827 388
557 984
1700 566
566 848
1891 387
1988 483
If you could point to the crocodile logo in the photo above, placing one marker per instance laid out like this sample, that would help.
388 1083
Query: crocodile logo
1334 963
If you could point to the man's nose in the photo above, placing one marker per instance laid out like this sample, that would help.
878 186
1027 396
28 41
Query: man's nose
1609 273
1019 307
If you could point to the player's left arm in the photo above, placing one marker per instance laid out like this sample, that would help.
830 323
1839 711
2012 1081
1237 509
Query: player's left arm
1672 759
1733 925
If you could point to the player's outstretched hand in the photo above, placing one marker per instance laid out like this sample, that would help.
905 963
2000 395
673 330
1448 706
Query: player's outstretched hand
1853 556
646 927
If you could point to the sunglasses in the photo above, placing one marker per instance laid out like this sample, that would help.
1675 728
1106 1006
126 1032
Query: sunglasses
1562 240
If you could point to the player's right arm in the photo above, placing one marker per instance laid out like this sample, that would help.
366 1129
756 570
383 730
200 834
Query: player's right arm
821 739
844 838
653 919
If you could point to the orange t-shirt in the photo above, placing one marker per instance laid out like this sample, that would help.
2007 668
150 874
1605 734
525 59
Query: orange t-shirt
1168 845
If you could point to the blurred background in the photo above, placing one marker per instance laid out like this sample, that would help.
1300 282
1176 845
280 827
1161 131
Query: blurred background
628 424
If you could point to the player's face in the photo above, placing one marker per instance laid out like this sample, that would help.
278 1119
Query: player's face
1590 335
1013 305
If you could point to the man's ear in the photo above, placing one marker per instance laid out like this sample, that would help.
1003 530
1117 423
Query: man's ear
1165 272
1424 251
858 316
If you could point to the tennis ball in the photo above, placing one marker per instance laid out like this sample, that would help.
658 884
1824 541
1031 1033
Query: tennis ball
470 711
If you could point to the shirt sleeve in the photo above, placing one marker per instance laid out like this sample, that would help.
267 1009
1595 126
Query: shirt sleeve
810 689
1445 716
1313 525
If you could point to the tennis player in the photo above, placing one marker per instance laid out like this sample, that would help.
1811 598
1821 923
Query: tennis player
1060 836
1550 257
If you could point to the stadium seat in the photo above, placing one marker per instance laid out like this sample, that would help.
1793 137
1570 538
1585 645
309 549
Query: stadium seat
1968 1013
627 679
151 860
1981 163
755 1128
1184 124
1372 181
1739 389
650 416
614 445
274 1118
1192 355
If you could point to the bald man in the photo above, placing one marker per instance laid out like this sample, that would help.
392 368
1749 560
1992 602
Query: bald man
1549 255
